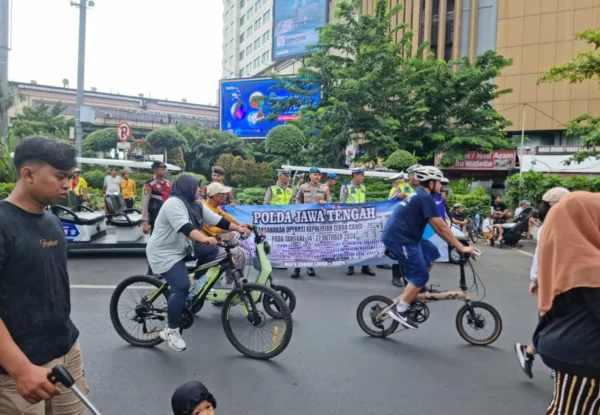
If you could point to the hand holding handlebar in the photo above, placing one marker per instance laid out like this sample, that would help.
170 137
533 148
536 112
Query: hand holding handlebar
210 241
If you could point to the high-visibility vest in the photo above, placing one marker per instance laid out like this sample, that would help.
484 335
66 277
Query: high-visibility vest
403 188
281 195
355 194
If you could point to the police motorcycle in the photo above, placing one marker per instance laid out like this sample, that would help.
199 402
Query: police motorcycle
120 229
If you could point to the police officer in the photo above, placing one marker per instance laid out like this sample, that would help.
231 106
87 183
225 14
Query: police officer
280 193
412 180
296 187
355 192
331 181
400 190
156 191
313 192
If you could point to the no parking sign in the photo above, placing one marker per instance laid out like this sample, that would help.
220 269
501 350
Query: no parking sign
123 132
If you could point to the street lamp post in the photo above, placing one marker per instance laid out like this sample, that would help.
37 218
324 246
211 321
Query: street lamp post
4 48
80 72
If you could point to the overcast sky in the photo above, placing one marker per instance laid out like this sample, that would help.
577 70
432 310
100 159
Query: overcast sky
168 49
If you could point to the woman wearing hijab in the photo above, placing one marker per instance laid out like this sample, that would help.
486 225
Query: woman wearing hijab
526 354
568 335
175 229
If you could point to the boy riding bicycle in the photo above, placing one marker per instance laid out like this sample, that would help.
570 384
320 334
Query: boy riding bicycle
403 237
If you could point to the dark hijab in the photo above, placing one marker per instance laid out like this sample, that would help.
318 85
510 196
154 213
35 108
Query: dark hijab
184 188
187 396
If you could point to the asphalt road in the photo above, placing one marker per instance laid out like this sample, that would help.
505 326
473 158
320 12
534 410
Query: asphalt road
331 366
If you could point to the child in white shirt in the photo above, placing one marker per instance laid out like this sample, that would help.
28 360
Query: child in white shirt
486 228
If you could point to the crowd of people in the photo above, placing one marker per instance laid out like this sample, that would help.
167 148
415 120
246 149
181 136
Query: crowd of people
38 333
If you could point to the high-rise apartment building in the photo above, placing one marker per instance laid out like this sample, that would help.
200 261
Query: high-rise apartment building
247 26
536 34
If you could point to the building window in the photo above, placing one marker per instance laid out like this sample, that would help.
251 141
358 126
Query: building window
242 55
256 63
241 73
264 1
256 44
248 50
249 32
242 37
230 45
265 57
257 24
248 68
265 37
249 14
242 20
266 16
242 3
257 6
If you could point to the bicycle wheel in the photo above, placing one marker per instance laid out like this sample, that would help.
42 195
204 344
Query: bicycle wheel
479 320
136 316
249 329
367 313
288 296
473 234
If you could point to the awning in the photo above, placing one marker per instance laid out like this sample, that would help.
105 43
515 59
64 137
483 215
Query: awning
555 164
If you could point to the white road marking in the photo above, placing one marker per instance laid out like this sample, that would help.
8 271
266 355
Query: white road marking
523 252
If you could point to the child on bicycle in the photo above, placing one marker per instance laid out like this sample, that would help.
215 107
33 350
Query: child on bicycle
193 398
403 236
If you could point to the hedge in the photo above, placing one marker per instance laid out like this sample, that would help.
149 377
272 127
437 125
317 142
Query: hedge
477 200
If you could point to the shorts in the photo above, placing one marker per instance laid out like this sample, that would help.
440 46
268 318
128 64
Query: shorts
487 235
416 259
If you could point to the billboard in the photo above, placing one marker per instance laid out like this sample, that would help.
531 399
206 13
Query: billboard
295 24
245 106
479 160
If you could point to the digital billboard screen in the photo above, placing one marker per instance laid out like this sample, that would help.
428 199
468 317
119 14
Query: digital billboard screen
245 106
295 24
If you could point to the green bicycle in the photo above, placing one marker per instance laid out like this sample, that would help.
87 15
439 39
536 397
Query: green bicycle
245 314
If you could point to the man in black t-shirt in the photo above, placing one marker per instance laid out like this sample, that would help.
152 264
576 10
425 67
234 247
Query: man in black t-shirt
36 331
459 218
500 211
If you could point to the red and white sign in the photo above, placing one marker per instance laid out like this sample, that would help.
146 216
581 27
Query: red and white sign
123 132
479 160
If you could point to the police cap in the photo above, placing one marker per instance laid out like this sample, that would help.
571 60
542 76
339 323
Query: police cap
158 165
314 170
283 171
332 176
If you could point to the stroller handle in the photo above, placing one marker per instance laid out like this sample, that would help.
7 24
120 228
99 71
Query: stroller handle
60 375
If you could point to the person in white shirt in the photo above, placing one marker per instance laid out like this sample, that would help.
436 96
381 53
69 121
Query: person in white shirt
486 228
112 183
525 353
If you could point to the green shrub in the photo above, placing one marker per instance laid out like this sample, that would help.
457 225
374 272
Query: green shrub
477 200
95 178
400 160
6 189
140 178
461 187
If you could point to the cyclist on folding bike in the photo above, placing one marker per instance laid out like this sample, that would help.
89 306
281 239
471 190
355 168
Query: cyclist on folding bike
403 237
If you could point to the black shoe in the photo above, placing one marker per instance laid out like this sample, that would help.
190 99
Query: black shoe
350 271
384 266
403 318
525 359
218 304
398 282
368 271
311 272
296 273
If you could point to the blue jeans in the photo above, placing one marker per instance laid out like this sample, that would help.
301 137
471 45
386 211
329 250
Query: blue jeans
416 260
179 282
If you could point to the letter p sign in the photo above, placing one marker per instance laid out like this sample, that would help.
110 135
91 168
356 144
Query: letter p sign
123 132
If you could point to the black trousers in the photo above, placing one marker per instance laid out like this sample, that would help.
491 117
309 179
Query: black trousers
129 203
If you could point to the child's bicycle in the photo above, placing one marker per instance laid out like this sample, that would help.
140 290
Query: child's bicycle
474 228
473 315
141 322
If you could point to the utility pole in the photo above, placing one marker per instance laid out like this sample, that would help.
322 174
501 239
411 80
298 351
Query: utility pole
80 74
4 47
522 142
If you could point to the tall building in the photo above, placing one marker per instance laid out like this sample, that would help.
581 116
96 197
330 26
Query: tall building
536 34
247 30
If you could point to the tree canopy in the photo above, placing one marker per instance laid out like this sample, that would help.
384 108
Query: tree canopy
43 120
400 160
287 141
382 94
103 141
166 138
585 66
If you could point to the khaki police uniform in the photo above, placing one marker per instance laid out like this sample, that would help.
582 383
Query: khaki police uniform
309 193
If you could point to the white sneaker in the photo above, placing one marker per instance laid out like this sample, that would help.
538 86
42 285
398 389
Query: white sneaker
174 338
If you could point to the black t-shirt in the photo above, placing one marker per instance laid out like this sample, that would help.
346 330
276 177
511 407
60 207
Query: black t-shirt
458 216
500 207
35 303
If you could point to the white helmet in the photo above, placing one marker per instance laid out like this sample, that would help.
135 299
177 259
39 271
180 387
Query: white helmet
425 173
445 181
412 168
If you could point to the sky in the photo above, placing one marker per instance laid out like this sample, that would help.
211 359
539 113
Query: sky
164 49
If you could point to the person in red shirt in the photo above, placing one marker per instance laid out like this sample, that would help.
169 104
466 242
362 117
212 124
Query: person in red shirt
156 191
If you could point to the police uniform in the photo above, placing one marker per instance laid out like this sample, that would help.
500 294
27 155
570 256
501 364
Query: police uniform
309 193
156 192
279 195
402 188
355 193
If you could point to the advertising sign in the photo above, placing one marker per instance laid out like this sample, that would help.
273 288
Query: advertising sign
332 235
295 24
561 150
478 160
245 107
